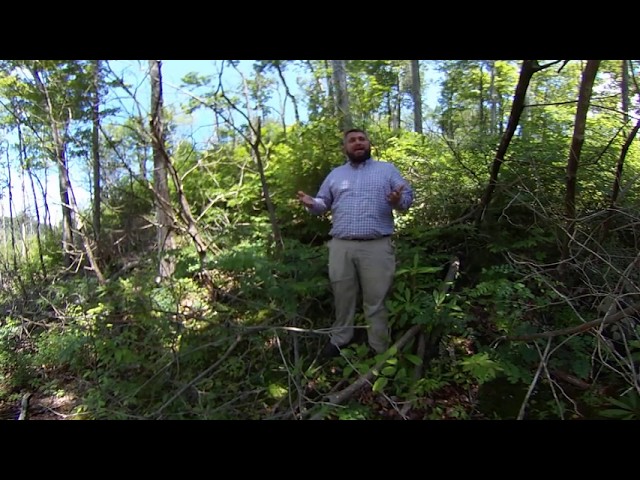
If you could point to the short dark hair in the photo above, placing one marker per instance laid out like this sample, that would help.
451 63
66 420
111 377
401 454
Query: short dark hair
352 130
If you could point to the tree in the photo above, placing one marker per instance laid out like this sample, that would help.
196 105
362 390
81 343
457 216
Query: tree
416 95
95 144
529 68
339 82
165 226
577 140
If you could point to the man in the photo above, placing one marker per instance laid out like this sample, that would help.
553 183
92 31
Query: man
361 195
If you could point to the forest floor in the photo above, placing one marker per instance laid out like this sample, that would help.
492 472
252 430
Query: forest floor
38 406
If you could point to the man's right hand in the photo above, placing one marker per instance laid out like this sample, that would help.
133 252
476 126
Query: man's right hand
305 199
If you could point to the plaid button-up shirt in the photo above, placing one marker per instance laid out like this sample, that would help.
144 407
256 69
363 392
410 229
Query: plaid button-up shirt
356 195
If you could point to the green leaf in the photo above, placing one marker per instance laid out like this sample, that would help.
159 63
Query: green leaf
388 371
615 413
416 360
402 373
379 384
277 391
619 403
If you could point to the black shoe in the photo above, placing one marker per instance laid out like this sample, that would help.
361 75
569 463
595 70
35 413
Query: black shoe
329 351
359 336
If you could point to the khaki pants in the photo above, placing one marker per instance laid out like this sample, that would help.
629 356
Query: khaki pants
369 266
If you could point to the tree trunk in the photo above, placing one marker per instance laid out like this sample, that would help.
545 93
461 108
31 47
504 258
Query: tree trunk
395 112
584 99
615 191
164 221
624 90
288 92
59 148
493 102
255 140
343 112
416 95
23 155
95 146
11 224
275 228
529 67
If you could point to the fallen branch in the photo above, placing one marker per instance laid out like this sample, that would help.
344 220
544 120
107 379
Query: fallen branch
580 328
24 406
570 379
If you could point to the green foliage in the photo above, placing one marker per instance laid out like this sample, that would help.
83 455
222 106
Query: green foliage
481 367
354 411
507 299
57 346
15 365
627 407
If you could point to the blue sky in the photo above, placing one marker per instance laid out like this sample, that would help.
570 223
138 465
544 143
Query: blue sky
174 70
199 125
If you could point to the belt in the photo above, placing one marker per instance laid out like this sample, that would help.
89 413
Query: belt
364 239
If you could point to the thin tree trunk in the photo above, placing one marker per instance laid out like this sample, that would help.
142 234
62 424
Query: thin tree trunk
165 213
343 111
584 99
255 140
482 119
615 191
38 236
330 103
288 92
624 90
529 68
493 104
164 221
95 144
275 228
23 156
11 226
59 145
395 114
416 95
69 206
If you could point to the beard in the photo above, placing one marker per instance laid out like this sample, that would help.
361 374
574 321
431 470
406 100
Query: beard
359 156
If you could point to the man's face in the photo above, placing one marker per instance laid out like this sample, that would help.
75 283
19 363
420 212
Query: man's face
357 147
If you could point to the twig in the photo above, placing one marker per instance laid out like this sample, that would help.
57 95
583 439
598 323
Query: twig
200 376
535 380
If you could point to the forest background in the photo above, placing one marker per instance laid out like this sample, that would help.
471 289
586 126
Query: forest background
187 282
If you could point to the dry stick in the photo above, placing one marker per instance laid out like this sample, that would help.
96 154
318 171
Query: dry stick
535 380
24 406
580 328
201 375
